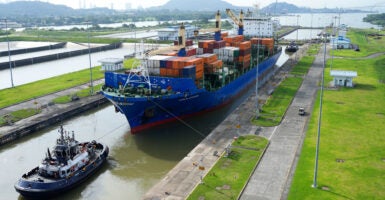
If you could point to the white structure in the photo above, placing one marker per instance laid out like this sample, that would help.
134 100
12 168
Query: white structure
172 32
343 78
256 24
340 42
112 64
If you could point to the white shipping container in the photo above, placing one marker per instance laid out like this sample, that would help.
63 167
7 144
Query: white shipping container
199 51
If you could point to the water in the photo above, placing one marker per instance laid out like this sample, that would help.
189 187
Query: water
304 19
303 34
31 73
354 20
135 164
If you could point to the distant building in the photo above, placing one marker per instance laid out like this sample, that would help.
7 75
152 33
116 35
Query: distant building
340 42
112 64
172 32
343 78
9 24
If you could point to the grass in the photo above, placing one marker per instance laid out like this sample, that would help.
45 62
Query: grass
313 49
46 86
18 115
42 87
81 94
368 45
230 174
302 66
32 90
352 156
275 107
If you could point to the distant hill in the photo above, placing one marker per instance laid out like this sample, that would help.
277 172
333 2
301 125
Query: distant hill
196 5
38 9
43 9
283 7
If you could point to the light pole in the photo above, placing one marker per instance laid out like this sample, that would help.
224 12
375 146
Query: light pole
297 28
89 58
257 74
311 27
9 53
319 118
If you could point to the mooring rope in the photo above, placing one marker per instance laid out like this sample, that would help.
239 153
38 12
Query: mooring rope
179 119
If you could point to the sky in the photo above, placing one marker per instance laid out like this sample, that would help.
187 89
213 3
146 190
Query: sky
123 4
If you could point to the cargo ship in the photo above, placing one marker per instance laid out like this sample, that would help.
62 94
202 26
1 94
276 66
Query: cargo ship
69 164
186 79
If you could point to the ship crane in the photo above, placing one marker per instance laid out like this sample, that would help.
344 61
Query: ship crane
216 30
236 20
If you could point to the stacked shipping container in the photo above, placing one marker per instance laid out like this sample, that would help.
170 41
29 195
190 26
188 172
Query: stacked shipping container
208 57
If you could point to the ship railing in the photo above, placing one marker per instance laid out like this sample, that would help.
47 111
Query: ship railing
139 75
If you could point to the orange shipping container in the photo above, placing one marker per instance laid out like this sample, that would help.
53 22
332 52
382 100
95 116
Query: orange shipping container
256 40
239 38
268 41
199 67
206 43
194 61
199 74
216 64
163 71
245 45
173 72
244 58
208 57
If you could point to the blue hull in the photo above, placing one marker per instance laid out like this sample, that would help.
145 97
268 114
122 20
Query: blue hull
143 112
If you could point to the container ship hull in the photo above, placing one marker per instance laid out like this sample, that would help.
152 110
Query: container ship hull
146 111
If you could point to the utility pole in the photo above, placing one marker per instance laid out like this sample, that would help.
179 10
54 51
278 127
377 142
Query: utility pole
311 27
9 53
297 28
89 58
314 185
257 74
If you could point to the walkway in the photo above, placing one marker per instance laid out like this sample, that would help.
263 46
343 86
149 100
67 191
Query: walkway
47 109
272 178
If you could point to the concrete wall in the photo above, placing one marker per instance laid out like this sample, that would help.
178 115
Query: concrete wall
40 59
60 115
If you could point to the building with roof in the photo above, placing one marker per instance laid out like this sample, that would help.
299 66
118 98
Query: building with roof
343 78
340 42
112 64
172 32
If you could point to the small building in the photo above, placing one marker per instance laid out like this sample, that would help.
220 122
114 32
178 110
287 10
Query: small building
340 42
112 64
343 78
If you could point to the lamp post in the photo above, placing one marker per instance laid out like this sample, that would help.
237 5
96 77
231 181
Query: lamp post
311 27
257 74
9 52
297 28
89 58
314 185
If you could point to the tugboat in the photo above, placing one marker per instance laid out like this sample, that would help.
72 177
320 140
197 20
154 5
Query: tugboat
70 163
292 47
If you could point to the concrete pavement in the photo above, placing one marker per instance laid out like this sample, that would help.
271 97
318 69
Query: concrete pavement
272 178
50 113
